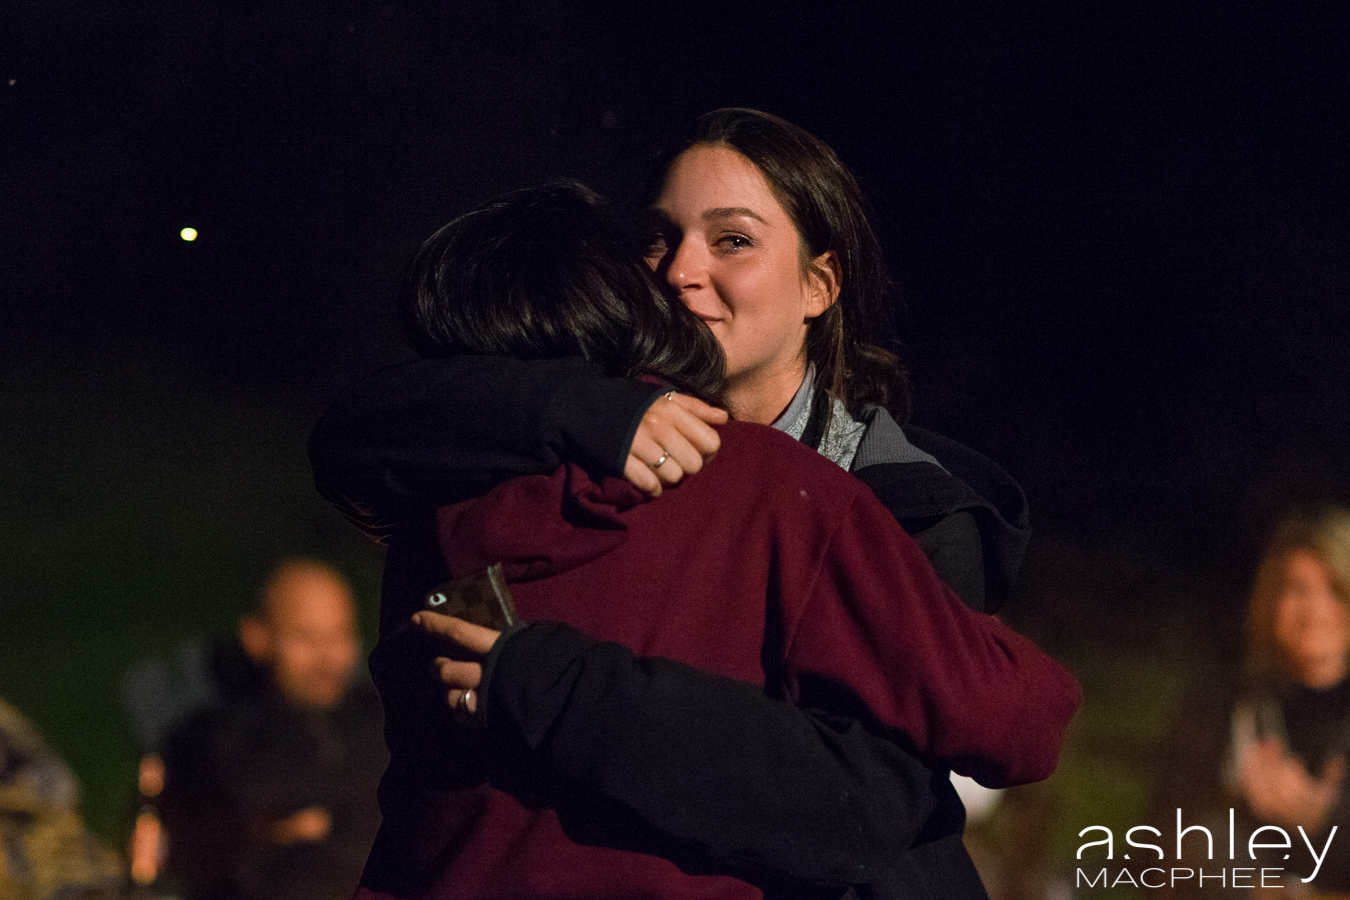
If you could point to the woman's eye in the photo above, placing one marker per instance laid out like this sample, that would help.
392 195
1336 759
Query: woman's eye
656 249
734 242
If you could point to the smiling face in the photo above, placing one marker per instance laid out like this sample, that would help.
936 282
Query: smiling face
735 258
1312 625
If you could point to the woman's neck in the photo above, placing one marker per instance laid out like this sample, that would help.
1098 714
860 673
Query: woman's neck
762 397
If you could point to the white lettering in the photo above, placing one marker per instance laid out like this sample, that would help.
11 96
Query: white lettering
1092 882
1129 839
1253 846
1319 859
1209 838
1145 883
1109 841
1125 877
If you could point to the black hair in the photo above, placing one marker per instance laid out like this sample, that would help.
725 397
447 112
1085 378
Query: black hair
551 272
823 200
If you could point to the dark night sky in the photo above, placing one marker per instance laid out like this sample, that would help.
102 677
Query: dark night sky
1119 231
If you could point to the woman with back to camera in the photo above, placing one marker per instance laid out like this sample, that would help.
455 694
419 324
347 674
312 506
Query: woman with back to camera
1278 755
773 568
794 286
792 281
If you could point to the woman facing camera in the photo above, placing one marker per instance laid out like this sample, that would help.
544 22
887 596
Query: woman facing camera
773 569
1278 756
763 233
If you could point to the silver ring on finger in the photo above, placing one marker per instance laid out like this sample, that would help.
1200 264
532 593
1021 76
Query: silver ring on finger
664 457
670 395
463 704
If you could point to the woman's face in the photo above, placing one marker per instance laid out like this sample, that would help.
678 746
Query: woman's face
734 256
1312 625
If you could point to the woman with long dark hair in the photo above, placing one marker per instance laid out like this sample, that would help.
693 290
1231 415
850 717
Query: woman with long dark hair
744 193
441 428
773 568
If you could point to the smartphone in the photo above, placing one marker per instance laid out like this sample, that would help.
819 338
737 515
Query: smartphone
482 598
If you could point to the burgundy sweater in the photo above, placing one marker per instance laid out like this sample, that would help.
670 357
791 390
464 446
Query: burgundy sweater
772 566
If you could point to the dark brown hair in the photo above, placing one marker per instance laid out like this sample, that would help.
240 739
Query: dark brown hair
551 272
822 198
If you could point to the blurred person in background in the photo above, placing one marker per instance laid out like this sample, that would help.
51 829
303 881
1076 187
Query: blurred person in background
45 851
1272 744
270 793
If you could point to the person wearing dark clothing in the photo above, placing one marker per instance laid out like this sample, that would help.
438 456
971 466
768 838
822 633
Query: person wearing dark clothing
1271 744
763 233
270 793
774 567
440 430
444 429
246 774
808 570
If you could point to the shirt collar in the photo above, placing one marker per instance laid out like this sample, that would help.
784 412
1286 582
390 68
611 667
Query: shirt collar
800 407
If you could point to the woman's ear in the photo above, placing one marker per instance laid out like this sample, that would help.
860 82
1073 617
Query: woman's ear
823 282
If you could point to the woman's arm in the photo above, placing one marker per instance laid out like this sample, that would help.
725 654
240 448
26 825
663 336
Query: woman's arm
350 464
883 637
721 777
436 431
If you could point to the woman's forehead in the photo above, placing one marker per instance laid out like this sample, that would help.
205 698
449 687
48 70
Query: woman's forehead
716 181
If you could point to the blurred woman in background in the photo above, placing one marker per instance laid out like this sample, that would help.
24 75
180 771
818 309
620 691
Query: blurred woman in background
1278 756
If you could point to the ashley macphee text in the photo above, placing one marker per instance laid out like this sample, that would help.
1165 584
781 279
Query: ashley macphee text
1246 868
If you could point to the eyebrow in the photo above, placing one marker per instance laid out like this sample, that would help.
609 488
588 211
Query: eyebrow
731 212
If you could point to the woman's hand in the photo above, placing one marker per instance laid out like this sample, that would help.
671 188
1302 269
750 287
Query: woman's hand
1279 789
460 677
675 438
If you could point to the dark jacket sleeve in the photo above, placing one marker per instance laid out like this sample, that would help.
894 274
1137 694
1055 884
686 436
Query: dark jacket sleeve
436 431
967 515
733 780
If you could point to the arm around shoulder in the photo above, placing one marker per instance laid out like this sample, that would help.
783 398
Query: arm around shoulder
435 431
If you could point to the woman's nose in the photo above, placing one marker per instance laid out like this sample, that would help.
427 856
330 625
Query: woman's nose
684 268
